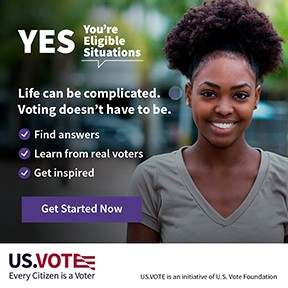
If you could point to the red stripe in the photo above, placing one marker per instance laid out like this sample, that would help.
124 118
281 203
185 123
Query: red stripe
85 266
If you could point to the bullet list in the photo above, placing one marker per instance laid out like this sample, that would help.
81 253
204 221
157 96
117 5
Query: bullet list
24 153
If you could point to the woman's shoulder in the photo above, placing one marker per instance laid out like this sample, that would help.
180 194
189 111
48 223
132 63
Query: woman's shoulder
164 161
277 158
278 163
146 174
159 159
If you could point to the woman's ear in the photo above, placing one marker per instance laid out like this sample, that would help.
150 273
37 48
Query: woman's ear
257 96
188 92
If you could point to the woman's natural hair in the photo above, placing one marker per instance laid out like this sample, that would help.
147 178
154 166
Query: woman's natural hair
224 25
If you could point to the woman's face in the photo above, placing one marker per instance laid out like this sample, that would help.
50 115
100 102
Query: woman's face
223 96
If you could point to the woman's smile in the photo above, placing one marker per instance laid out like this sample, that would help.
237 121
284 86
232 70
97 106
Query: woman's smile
222 125
226 126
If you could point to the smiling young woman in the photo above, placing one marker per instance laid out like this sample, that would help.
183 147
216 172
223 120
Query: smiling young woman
220 189
223 97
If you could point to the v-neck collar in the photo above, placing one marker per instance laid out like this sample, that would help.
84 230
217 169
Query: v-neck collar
205 205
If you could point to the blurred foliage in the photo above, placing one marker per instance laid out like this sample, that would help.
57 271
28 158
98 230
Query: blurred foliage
278 13
277 10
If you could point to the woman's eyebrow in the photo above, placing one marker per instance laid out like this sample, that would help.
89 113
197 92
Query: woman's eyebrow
216 86
240 86
211 84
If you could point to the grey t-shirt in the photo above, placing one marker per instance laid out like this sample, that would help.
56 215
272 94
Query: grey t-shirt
173 206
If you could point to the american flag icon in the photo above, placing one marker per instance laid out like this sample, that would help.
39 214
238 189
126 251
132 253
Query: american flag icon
84 261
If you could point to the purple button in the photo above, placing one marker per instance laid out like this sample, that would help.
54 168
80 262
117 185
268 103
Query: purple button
81 209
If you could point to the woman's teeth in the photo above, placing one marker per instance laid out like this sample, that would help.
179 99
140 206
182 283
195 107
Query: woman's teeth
222 125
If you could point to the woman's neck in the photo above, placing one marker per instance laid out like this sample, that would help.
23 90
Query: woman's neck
215 158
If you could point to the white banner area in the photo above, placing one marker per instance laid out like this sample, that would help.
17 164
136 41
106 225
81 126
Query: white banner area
144 265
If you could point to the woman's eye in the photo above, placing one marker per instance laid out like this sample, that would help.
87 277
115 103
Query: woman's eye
241 96
208 94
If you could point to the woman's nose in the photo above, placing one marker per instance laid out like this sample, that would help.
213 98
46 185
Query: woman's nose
224 107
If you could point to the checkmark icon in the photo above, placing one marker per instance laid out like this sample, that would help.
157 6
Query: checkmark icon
24 134
24 173
24 153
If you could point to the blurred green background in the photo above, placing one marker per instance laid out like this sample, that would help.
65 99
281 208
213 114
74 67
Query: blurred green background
144 24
